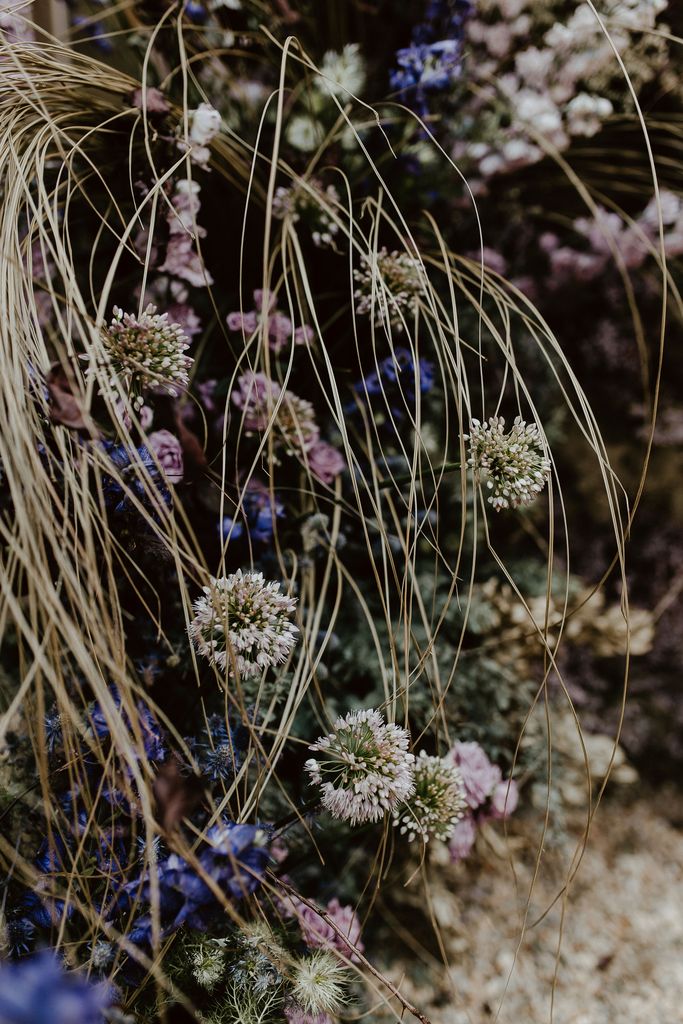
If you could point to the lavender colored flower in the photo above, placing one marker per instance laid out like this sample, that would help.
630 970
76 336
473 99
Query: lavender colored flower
463 838
325 462
433 61
318 934
182 258
479 776
365 768
39 990
169 452
278 327
504 799
295 1015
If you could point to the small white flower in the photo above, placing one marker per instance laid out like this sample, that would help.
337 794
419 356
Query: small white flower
514 464
205 123
318 983
585 114
304 133
344 73
365 768
437 804
243 622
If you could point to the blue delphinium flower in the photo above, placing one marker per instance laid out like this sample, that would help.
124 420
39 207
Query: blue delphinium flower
133 466
433 61
233 856
38 990
257 517
395 379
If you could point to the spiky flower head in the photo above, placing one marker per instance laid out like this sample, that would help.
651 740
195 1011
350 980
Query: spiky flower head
365 768
243 622
388 286
437 804
208 964
318 983
513 464
146 352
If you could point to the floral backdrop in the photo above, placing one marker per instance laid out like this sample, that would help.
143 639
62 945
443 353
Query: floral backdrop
341 536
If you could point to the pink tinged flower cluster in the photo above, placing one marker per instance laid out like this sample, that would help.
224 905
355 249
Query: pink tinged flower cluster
318 933
479 776
242 623
169 452
146 351
279 329
264 404
182 258
364 769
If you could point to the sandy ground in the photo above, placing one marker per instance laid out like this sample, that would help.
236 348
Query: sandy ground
621 954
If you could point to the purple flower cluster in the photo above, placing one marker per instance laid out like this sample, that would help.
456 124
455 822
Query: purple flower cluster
486 793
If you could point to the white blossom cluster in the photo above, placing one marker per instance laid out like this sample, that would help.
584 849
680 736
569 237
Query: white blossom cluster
437 804
554 71
388 286
365 768
146 352
305 203
293 420
513 463
243 623
342 74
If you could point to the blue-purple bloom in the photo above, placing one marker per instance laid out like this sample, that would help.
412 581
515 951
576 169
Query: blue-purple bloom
258 516
395 379
38 990
146 723
233 856
433 61
133 466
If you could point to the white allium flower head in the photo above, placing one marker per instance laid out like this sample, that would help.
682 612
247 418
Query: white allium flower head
146 352
513 464
243 622
318 982
342 73
388 285
437 804
365 768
